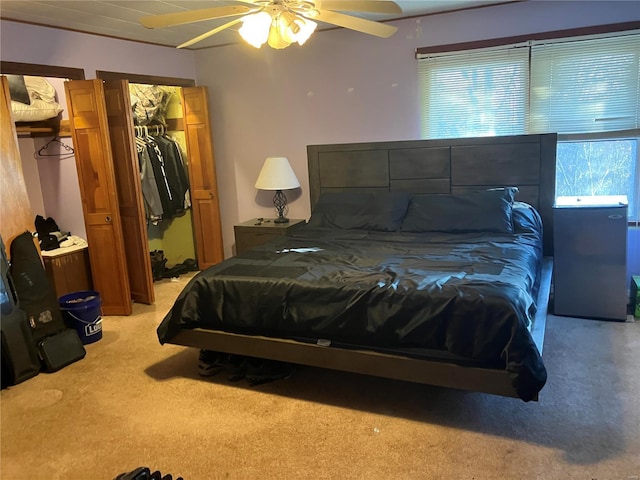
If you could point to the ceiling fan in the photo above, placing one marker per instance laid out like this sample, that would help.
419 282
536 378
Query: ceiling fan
282 22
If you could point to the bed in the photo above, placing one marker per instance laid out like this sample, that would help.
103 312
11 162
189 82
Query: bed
426 261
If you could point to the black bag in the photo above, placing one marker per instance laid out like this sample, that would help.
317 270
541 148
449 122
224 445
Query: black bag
57 345
59 350
36 294
19 358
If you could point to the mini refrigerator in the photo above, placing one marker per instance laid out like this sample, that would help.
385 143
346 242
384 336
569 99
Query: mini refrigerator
590 257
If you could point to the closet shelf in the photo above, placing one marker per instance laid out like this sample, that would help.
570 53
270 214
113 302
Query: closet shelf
60 128
175 124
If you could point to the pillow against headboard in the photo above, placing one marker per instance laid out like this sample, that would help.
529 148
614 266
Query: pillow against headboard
526 219
487 211
359 210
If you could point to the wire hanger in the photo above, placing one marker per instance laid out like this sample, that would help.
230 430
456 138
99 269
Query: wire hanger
69 151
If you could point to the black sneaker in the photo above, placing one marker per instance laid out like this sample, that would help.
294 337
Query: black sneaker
211 362
237 367
268 371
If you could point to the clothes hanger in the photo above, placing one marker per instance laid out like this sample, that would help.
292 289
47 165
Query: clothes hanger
69 151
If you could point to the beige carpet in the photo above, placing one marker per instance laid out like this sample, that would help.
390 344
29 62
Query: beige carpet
133 402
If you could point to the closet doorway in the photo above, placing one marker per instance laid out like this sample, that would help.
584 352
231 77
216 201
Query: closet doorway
104 134
46 171
106 165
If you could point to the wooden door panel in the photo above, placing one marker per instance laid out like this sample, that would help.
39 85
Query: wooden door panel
202 177
96 194
120 147
89 130
131 203
208 218
15 209
114 293
201 145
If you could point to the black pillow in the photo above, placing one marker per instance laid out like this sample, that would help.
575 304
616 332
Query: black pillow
382 211
486 211
18 89
526 219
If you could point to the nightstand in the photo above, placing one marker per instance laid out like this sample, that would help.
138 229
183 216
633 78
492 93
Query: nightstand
255 232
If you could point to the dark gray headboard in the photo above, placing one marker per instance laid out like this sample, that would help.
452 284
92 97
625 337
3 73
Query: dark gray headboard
447 166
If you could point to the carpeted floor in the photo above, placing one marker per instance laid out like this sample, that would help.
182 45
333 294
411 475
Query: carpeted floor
133 402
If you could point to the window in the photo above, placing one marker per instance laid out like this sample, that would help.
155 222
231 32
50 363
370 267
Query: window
599 167
586 89
475 94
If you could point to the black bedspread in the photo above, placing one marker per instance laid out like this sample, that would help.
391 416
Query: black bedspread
470 296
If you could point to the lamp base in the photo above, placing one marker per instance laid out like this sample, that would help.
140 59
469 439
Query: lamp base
280 202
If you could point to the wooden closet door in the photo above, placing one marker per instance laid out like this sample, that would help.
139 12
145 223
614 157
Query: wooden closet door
15 209
202 177
130 199
94 162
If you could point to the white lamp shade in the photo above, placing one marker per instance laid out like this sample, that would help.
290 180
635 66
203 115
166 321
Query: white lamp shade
277 174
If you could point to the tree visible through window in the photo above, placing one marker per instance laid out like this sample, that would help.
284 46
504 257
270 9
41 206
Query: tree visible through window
594 168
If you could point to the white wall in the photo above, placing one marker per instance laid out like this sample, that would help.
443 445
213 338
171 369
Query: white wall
344 86
24 43
31 176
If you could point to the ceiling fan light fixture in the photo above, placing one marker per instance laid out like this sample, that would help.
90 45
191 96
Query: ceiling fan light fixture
306 28
278 37
286 27
283 22
255 28
278 28
291 28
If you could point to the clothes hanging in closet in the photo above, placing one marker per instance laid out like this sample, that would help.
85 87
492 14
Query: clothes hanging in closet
165 185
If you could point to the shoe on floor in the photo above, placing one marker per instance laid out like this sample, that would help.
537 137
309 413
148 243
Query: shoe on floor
266 371
211 362
237 367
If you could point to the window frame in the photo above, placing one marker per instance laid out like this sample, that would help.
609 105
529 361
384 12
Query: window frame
603 31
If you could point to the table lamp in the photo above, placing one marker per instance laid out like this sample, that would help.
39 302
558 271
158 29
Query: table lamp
277 174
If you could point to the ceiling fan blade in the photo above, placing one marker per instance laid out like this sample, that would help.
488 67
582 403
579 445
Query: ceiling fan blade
180 18
199 38
372 6
354 23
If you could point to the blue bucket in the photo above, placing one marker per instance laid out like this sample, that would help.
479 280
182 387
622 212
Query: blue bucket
83 311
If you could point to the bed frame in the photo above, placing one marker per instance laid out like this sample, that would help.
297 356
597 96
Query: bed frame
422 166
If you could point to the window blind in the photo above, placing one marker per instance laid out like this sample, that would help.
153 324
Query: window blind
475 93
585 86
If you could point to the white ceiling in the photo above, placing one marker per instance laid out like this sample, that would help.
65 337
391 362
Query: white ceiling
119 18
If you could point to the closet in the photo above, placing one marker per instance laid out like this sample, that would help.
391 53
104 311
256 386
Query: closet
103 137
103 133
43 176
161 148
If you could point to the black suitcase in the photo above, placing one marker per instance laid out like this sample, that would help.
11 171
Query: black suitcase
19 357
36 294
57 344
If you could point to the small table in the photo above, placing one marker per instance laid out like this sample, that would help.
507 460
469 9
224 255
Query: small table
257 231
